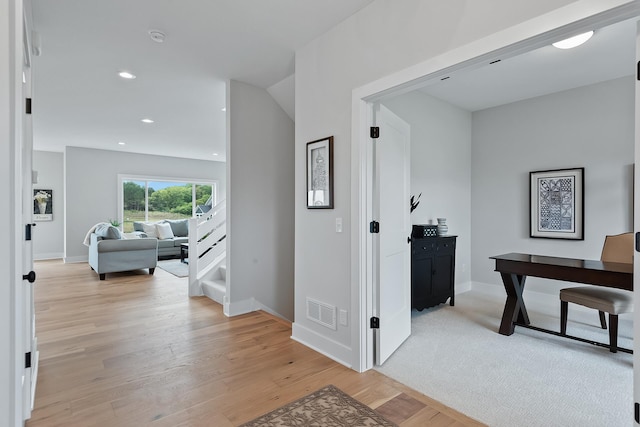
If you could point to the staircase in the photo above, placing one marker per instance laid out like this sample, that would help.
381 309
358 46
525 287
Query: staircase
208 254
215 286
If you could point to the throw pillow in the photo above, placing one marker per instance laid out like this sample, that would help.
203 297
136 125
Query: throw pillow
150 230
138 226
107 231
164 231
180 227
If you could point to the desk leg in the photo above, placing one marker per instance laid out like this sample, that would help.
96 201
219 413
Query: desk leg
514 309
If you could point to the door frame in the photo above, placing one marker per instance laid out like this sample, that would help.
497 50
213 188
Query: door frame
570 20
12 330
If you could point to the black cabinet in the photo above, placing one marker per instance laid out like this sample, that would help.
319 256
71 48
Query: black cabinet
433 264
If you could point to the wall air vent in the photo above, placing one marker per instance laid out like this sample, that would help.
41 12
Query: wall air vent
321 313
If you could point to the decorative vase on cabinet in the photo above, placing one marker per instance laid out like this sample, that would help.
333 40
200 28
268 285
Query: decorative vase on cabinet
443 228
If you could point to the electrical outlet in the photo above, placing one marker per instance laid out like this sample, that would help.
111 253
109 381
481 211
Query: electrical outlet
343 317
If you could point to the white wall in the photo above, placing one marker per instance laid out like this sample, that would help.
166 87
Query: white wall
260 203
440 168
48 236
385 37
91 186
590 127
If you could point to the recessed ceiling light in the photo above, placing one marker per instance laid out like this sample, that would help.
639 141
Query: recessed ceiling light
126 75
224 108
215 154
157 36
121 143
574 41
146 121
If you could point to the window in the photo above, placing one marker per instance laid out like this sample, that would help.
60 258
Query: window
155 199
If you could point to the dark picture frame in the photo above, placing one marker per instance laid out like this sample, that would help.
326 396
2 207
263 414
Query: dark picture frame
557 204
42 205
320 174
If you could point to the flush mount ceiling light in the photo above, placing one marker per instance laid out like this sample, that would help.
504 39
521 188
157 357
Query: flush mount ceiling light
121 143
157 36
224 108
215 154
126 75
146 121
574 41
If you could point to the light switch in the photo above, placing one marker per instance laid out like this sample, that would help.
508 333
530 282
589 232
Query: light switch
343 317
338 225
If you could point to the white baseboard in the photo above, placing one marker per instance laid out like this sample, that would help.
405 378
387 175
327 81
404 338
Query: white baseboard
334 350
247 306
47 256
70 260
463 287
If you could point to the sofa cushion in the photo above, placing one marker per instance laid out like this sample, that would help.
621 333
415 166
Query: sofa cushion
180 227
150 230
138 226
107 231
164 231
166 243
178 240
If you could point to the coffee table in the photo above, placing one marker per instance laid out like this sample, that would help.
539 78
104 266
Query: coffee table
184 253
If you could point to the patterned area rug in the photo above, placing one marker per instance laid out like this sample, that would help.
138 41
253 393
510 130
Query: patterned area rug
175 267
327 407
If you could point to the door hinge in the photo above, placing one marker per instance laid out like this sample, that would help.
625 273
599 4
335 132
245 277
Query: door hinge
28 106
374 227
375 132
27 232
27 360
375 323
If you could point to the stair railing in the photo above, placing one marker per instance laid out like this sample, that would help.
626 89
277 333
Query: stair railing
207 244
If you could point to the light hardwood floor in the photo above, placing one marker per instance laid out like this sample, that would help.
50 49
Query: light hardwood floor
135 350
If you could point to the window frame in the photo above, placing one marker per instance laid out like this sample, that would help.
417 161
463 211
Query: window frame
122 178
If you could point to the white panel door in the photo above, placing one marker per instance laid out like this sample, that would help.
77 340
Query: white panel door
391 246
636 227
29 321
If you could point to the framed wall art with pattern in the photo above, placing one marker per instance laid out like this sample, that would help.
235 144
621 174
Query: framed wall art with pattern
557 204
320 174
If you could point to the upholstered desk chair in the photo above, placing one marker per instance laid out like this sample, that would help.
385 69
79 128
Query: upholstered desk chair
618 248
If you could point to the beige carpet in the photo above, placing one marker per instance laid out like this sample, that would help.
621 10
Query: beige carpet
327 407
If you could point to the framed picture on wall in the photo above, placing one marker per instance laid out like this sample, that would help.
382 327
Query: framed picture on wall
42 205
557 204
320 174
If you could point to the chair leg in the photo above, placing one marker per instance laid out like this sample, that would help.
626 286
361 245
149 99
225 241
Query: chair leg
564 307
613 333
603 321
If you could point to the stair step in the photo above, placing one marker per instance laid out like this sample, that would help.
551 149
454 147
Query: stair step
215 289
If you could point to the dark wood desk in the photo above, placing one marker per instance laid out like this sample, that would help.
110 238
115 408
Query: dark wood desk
515 267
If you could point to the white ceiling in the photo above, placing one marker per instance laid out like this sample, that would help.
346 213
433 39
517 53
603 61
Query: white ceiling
79 100
609 54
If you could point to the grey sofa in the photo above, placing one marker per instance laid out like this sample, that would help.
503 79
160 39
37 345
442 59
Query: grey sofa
112 255
168 247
